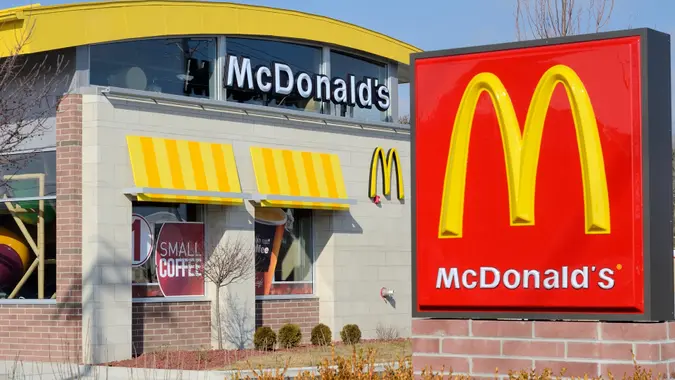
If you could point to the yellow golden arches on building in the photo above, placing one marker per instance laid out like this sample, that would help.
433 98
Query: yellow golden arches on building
521 153
101 22
387 163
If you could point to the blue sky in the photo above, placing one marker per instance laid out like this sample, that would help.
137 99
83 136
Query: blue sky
444 24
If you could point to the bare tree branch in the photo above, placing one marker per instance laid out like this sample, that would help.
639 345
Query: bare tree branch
555 18
230 261
30 89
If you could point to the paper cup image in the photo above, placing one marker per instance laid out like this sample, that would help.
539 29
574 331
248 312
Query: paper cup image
269 231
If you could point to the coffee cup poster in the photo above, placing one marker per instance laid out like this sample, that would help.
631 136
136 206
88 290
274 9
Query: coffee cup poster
282 254
168 258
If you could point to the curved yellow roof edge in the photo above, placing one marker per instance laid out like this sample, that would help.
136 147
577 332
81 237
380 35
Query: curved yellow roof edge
69 25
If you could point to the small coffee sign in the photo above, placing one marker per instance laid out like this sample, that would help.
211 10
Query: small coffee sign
280 79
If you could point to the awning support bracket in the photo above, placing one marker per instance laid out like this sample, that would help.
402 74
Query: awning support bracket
257 198
134 191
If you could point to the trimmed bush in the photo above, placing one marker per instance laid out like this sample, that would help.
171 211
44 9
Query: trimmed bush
350 334
321 335
264 338
289 336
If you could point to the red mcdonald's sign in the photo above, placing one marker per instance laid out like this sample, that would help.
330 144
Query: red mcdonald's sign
541 179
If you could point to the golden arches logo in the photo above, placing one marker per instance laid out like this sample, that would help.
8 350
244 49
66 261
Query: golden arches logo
387 164
521 152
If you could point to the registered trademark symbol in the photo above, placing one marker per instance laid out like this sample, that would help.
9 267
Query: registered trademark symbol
619 266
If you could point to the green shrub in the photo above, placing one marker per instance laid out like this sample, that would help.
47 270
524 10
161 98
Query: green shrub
321 335
350 334
289 335
264 338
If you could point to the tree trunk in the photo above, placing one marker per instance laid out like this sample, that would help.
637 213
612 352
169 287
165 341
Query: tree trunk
219 319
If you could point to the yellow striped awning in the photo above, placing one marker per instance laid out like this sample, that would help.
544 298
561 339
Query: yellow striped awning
168 170
289 178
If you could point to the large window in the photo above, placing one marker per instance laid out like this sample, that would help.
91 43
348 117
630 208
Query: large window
167 249
178 66
28 225
300 59
342 65
284 254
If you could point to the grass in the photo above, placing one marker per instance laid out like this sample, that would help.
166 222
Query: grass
312 356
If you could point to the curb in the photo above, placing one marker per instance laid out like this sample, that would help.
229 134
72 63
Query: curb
66 371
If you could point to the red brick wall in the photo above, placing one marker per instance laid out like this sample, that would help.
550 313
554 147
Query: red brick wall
593 348
170 325
53 331
276 313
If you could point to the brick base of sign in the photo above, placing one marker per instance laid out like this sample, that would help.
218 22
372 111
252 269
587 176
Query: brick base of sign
276 313
477 348
170 326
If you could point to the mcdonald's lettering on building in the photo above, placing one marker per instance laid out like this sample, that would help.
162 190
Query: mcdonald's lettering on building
541 183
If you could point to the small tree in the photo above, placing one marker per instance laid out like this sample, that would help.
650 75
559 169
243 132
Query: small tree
231 261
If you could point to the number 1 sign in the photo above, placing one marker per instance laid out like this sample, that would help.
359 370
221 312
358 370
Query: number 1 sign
141 240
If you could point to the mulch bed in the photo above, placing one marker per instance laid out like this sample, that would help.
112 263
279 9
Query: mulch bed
204 359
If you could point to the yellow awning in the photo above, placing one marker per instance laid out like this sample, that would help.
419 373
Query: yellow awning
288 178
167 170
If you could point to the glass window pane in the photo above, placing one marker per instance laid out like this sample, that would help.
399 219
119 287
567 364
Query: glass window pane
294 253
341 65
300 58
284 251
144 276
28 175
19 223
178 66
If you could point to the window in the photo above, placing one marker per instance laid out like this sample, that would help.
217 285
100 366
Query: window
299 58
341 65
284 254
27 225
167 248
178 66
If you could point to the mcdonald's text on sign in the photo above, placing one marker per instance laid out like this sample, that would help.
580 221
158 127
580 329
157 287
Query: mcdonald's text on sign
541 180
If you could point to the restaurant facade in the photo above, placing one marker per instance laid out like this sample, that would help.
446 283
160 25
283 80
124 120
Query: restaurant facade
187 129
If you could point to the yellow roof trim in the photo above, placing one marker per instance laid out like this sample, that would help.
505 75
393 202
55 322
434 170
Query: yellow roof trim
69 25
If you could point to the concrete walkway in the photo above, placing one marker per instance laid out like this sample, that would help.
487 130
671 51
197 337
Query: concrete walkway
10 370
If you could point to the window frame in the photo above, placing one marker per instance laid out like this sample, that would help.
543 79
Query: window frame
214 82
33 301
314 293
387 82
201 216
219 92
310 233
322 66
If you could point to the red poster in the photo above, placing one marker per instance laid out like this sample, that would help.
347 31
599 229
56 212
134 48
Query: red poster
179 259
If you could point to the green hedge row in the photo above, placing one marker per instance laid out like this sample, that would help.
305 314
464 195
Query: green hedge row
290 336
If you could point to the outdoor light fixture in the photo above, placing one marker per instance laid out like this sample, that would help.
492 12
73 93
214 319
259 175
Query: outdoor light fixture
386 293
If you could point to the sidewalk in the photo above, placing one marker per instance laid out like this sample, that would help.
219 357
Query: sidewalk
11 370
